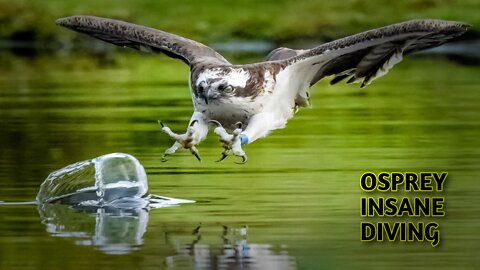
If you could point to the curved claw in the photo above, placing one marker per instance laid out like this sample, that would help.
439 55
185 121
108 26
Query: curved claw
164 158
244 160
161 124
239 125
224 156
215 122
197 156
192 123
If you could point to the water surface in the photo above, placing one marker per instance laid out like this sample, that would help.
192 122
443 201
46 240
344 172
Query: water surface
294 205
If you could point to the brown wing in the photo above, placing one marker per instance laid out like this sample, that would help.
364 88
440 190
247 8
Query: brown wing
369 55
142 38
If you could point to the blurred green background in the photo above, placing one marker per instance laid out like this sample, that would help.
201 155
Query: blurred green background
65 97
216 20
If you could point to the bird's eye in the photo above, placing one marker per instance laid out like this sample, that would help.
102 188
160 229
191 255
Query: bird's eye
200 88
225 88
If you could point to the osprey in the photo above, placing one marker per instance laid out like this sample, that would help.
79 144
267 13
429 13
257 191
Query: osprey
253 99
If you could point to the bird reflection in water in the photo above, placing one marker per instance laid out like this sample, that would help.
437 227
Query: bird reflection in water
121 231
233 252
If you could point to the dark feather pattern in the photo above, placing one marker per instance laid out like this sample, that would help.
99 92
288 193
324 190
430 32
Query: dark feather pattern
264 96
137 37
368 52
339 78
427 27
352 79
360 58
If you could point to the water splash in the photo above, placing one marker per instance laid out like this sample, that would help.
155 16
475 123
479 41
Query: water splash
101 202
112 180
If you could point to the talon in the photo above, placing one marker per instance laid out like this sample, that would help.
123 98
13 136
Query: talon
193 122
224 156
197 156
186 140
231 142
244 160
194 152
215 122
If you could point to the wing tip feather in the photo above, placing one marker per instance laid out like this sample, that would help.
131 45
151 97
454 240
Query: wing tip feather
72 21
79 21
65 21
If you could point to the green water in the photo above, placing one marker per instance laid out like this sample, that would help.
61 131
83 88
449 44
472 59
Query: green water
298 194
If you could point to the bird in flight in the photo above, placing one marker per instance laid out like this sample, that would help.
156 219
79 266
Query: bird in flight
251 100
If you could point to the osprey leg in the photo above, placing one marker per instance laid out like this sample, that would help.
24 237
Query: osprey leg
170 151
231 143
196 132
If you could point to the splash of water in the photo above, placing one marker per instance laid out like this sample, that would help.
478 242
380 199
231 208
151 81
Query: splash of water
112 180
102 202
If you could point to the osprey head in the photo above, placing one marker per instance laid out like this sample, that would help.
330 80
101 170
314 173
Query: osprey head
220 83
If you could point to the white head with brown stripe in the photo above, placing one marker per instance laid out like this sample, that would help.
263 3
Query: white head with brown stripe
220 83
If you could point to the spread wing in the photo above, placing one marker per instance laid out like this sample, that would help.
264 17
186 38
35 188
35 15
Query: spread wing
142 38
369 55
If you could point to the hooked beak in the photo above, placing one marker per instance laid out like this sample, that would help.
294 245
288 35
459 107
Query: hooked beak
209 95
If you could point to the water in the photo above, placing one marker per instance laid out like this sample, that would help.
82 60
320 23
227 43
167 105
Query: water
111 230
101 180
102 202
294 205
115 180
